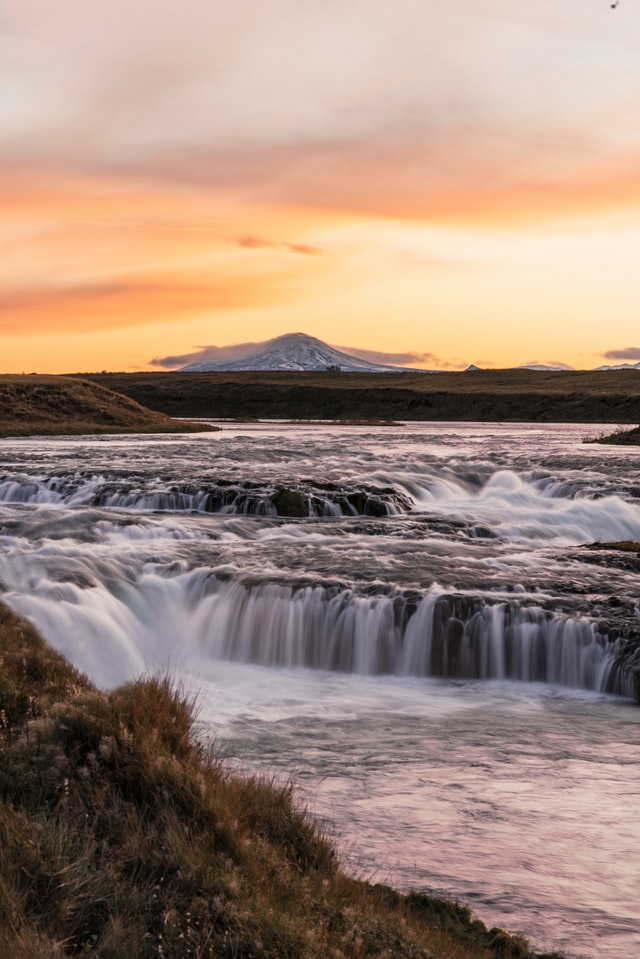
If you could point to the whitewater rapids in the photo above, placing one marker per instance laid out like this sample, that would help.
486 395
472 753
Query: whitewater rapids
408 620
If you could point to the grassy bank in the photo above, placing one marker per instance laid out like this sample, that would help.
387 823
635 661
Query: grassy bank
485 396
621 438
122 837
31 405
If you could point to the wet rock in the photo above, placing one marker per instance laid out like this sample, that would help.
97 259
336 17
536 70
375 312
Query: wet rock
358 501
290 502
481 532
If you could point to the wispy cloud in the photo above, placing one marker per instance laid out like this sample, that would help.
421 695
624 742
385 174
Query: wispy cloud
254 243
393 359
629 353
207 354
304 248
364 118
126 302
258 243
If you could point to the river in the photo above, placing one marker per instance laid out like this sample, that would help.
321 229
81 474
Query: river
403 619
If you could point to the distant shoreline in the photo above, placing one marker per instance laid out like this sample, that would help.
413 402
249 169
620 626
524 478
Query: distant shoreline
102 403
509 396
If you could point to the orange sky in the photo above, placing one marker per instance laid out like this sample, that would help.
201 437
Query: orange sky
453 185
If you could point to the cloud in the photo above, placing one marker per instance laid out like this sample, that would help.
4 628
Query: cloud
127 302
257 243
392 359
207 354
473 175
503 117
304 248
254 243
628 353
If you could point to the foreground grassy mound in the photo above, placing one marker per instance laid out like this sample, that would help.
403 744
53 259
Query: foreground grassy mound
55 404
606 396
122 837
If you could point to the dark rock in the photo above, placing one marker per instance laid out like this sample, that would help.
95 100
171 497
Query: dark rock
290 502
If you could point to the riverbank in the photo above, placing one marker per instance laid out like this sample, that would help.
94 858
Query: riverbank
514 396
48 405
121 836
621 438
164 402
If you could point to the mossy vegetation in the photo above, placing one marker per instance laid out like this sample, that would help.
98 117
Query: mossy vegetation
122 837
37 405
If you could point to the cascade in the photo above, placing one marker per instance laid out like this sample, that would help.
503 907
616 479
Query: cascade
139 619
438 636
224 496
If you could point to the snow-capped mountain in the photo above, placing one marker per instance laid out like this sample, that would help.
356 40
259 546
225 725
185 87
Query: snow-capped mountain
296 351
621 366
543 368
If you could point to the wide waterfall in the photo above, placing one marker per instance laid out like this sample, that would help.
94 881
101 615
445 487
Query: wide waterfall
224 496
439 636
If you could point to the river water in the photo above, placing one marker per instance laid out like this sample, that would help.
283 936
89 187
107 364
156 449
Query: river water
403 619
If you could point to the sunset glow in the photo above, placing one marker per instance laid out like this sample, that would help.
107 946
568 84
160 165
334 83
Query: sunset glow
456 183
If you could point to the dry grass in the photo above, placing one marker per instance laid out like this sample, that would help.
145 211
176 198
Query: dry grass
58 405
121 837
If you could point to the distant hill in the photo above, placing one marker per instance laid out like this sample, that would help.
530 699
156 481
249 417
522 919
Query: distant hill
295 352
36 404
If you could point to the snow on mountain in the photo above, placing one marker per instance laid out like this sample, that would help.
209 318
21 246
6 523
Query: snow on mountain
542 368
621 366
296 351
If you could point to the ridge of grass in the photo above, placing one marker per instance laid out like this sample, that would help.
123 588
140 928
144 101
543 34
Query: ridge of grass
46 405
122 837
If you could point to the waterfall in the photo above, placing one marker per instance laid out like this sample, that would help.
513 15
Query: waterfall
323 627
441 636
224 496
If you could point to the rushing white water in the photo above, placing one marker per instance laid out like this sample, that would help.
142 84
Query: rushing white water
403 619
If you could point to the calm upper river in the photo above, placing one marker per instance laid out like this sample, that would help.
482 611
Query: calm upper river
403 619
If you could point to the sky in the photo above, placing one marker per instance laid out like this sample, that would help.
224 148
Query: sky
437 183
